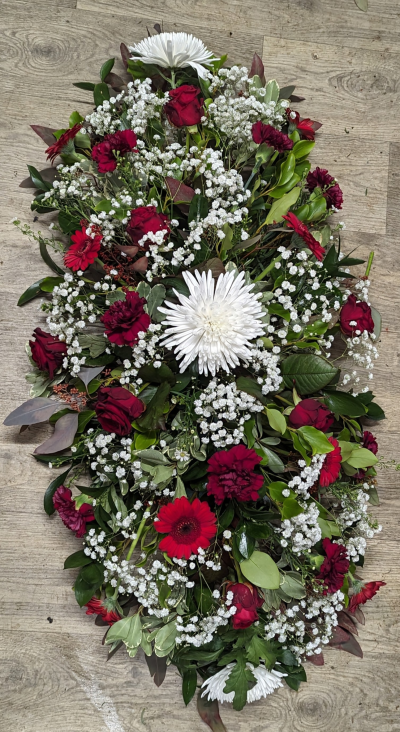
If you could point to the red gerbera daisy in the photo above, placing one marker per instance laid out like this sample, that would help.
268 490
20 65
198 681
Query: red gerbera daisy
189 526
62 141
83 251
331 467
301 229
96 607
365 592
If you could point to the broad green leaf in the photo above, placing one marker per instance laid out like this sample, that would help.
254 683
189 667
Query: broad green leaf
346 449
240 680
261 571
292 585
318 442
189 684
340 402
271 91
362 4
49 283
143 441
100 93
164 641
287 169
260 648
290 508
277 420
77 559
302 148
275 491
154 300
270 459
106 68
48 496
120 630
180 489
31 292
307 372
281 206
75 118
362 458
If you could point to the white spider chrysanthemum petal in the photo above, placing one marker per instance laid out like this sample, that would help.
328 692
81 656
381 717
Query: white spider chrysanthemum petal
174 50
267 682
215 324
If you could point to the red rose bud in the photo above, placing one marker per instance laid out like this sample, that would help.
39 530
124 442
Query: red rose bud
72 518
47 351
145 220
330 470
106 153
272 137
334 567
231 475
246 600
185 106
301 229
116 408
83 251
125 319
365 592
189 527
320 178
356 316
369 441
306 127
62 141
96 607
311 413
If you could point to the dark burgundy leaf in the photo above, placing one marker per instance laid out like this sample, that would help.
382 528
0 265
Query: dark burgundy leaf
347 623
125 54
296 99
316 660
87 374
316 126
45 133
129 251
100 622
180 193
48 174
339 636
357 615
157 27
33 411
157 667
257 68
209 713
115 81
351 646
140 265
62 437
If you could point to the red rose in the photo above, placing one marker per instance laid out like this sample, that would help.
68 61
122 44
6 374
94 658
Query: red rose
106 153
356 316
369 441
189 527
116 408
320 178
125 319
62 141
334 566
365 592
231 475
301 229
246 600
96 607
307 127
185 106
311 413
83 251
146 220
47 351
272 137
74 519
331 466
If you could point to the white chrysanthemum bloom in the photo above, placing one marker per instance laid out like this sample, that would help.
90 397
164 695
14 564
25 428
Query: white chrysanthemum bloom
267 682
174 50
215 324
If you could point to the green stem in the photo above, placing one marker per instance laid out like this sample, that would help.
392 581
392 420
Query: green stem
369 264
173 85
238 570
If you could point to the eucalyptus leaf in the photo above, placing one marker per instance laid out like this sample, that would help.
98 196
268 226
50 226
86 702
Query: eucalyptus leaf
261 571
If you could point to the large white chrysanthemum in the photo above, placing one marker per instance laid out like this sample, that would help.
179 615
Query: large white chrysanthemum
215 324
267 682
174 50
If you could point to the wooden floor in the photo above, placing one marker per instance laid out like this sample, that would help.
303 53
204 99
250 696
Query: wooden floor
346 63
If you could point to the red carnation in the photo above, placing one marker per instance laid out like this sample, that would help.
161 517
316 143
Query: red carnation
73 518
334 566
83 251
106 153
62 141
311 413
356 316
189 526
246 600
369 441
366 592
185 106
331 467
47 351
125 319
301 229
272 137
320 178
146 220
307 127
96 607
116 408
231 475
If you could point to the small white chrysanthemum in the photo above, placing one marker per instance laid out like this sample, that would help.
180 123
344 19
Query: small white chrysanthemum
215 324
267 682
174 50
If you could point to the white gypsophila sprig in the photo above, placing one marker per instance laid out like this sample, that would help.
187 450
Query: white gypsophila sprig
215 324
267 682
173 50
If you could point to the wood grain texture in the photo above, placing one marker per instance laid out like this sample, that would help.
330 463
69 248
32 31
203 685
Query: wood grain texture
53 674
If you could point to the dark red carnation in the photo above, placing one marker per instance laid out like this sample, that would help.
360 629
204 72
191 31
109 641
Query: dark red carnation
189 526
369 441
231 475
146 220
96 607
83 251
334 566
62 141
272 137
311 413
73 518
47 351
301 229
246 600
365 592
125 319
331 466
106 153
320 178
116 408
185 106
356 316
306 127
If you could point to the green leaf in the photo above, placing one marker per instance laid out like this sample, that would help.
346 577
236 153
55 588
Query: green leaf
375 412
106 68
240 680
31 292
77 559
250 386
275 491
87 85
318 442
302 148
84 419
261 571
198 207
362 4
95 343
260 648
292 585
37 180
93 574
68 223
276 420
101 94
49 283
290 508
189 684
156 376
307 372
144 441
48 496
270 458
46 258
164 641
340 402
377 318
155 409
129 630
83 591
75 118
281 206
362 458
204 598
154 300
